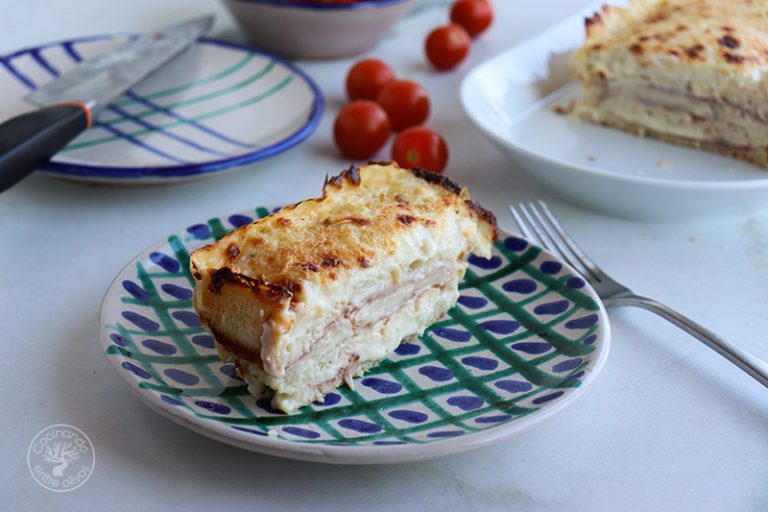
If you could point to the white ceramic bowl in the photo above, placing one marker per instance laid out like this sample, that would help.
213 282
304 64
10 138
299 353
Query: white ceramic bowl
317 31
511 96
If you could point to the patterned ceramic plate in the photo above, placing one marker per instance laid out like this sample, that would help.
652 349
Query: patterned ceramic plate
524 340
218 105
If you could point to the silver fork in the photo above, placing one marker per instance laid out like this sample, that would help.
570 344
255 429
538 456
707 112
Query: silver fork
538 224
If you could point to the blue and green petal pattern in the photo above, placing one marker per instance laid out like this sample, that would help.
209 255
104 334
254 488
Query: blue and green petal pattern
525 337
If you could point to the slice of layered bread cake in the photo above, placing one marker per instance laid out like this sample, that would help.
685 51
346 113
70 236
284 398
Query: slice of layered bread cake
316 293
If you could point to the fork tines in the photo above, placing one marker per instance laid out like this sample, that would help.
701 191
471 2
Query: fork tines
538 224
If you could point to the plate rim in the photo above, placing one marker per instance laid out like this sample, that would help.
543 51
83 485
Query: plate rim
359 455
122 173
466 93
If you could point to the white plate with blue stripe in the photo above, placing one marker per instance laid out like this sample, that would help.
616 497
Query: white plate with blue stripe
218 106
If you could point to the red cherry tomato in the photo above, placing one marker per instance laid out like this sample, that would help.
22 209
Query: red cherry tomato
420 147
447 46
367 78
361 129
474 15
406 104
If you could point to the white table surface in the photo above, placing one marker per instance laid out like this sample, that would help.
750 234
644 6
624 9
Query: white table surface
668 425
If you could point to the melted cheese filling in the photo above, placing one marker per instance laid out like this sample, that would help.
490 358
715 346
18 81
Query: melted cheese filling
362 313
369 330
679 114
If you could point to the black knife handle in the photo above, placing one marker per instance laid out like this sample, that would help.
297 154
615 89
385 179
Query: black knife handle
30 140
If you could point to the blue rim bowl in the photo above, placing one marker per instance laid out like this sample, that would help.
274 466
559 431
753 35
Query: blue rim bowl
303 4
317 31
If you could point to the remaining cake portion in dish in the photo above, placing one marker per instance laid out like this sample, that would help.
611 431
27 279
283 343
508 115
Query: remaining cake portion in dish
320 291
691 72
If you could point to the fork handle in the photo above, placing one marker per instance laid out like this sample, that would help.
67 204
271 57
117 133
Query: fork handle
752 365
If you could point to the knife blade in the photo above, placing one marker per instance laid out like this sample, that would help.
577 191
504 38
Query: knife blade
71 101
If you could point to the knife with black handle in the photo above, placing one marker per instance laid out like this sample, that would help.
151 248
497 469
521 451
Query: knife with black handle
30 140
70 102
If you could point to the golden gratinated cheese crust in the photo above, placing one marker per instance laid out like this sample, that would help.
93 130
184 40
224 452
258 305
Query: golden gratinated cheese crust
724 37
317 292
687 71
320 240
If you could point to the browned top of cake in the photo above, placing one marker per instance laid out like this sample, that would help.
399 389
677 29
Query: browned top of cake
729 34
354 225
